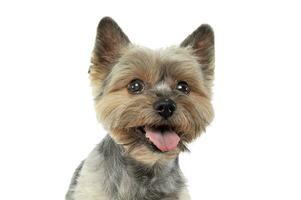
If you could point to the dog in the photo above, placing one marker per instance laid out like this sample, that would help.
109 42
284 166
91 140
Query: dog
153 103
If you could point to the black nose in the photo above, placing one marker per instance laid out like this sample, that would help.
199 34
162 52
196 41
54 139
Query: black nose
165 107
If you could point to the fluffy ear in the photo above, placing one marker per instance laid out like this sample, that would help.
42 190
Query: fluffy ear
110 40
202 43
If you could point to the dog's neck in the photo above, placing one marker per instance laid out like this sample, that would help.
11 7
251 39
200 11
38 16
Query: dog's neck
123 171
117 154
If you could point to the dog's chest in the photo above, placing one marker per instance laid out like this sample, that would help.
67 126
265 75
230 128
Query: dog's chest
147 187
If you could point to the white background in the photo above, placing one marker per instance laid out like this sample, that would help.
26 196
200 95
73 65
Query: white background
48 125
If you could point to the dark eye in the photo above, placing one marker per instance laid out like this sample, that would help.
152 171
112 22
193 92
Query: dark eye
136 86
183 87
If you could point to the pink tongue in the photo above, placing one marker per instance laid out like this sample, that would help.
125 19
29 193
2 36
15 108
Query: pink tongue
166 141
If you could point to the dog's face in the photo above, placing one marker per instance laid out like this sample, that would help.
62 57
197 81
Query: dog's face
152 102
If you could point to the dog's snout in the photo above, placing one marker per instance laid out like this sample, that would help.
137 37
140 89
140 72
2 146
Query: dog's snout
165 107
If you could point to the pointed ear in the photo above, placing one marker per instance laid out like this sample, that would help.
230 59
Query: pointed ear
202 43
109 42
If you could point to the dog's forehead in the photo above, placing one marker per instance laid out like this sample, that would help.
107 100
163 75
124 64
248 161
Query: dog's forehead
157 65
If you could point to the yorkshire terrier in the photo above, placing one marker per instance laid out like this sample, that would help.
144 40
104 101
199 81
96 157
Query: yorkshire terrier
153 103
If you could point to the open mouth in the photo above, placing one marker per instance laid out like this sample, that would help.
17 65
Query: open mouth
163 138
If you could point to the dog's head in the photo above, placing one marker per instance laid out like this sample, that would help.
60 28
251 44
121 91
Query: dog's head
152 102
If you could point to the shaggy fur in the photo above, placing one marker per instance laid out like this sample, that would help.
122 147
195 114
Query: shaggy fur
125 165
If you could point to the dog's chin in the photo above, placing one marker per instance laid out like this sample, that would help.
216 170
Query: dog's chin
151 143
148 147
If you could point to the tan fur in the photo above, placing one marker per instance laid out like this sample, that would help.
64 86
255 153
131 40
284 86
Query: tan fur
120 111
144 155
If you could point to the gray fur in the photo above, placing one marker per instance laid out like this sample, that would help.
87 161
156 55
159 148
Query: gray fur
123 178
74 180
